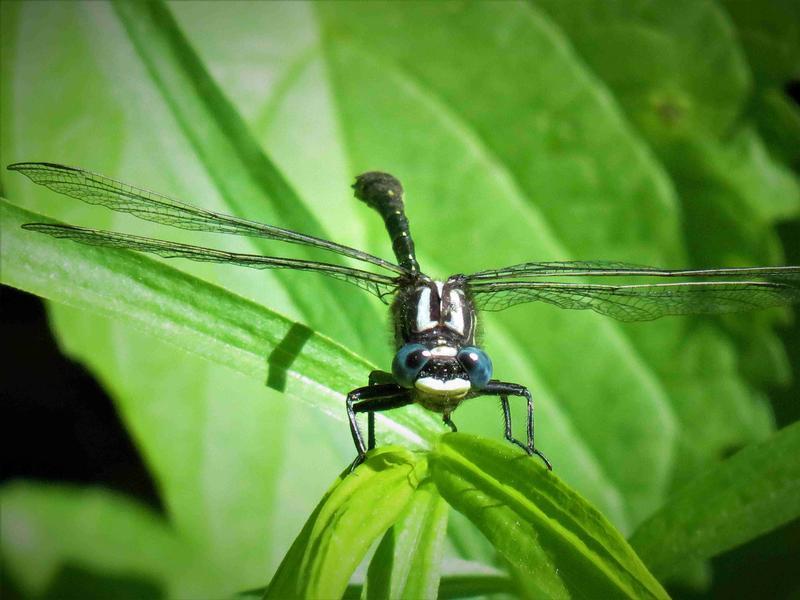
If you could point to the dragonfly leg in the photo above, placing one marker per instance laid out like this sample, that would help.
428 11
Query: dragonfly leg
449 422
504 390
375 377
371 399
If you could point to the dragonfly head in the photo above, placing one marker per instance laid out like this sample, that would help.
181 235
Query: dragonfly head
442 370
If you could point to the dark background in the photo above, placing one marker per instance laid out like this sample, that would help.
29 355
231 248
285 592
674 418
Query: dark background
59 425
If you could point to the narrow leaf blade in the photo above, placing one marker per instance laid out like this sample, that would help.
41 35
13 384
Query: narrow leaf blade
197 317
408 560
247 178
358 508
538 524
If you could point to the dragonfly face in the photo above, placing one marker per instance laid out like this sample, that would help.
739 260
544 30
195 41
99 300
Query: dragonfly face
435 325
437 363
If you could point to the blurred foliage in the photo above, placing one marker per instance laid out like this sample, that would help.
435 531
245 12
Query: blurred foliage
656 133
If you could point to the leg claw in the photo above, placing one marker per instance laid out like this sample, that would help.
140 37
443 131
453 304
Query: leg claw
359 459
535 452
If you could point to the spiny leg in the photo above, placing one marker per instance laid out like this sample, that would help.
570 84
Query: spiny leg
375 377
504 390
372 399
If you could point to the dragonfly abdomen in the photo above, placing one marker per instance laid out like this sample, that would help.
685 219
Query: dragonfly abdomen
384 193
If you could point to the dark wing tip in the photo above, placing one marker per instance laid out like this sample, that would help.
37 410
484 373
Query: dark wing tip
23 166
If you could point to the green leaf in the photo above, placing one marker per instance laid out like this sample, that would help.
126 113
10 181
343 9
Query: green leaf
472 585
408 561
204 430
770 36
511 148
246 178
647 53
547 176
537 523
778 118
351 516
754 491
679 73
45 526
467 581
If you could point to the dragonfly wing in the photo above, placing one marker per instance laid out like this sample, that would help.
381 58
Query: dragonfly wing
375 283
97 189
640 302
620 269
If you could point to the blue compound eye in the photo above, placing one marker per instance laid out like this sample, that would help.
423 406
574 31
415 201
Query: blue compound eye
408 362
477 364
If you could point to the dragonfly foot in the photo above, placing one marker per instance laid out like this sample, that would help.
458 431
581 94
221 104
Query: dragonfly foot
449 422
359 459
535 452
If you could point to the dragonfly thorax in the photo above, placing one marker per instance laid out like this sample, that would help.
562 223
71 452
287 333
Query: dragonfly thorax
436 312
435 333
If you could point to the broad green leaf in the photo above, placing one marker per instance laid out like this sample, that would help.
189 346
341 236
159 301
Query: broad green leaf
767 190
293 77
519 176
770 36
215 434
754 491
647 53
242 452
684 83
247 179
778 118
44 526
217 326
537 523
352 515
408 561
200 439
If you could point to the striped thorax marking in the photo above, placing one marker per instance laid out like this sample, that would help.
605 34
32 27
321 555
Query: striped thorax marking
428 306
441 304
454 317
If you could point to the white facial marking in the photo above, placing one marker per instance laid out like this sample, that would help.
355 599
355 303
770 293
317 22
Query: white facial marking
424 311
456 320
444 351
437 387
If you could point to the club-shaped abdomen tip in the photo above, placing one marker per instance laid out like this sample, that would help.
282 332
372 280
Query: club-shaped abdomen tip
377 188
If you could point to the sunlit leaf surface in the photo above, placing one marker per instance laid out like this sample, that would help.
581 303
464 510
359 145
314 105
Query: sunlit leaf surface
518 136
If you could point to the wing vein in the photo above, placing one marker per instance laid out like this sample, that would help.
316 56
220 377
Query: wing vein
375 283
93 188
639 302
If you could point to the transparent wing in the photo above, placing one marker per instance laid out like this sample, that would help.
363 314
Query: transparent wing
375 283
639 302
97 189
619 269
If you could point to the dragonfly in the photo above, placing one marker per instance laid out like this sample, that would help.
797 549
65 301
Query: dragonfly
437 364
